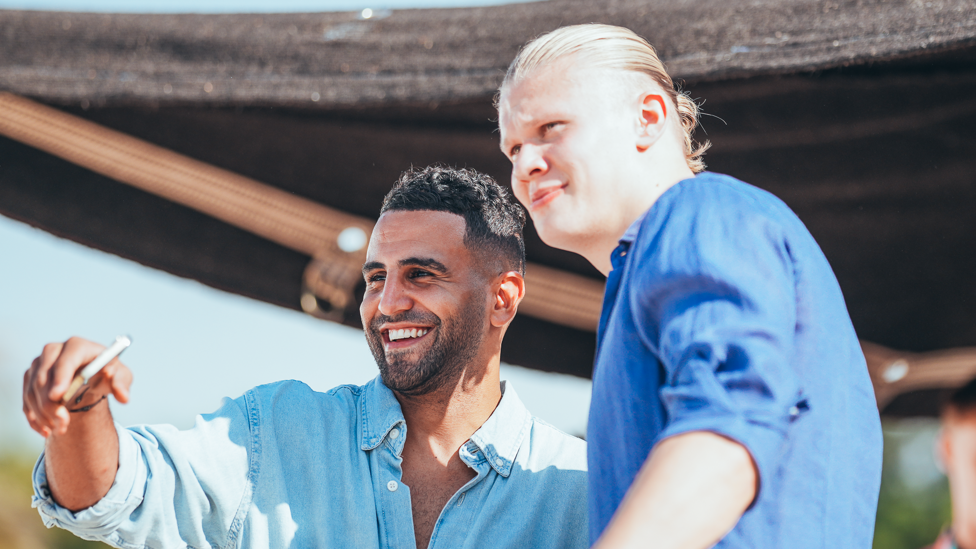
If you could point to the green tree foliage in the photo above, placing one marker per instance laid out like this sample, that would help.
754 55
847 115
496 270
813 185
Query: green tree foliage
910 515
20 525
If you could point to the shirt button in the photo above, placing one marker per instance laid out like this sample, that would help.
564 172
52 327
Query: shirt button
499 462
392 486
394 433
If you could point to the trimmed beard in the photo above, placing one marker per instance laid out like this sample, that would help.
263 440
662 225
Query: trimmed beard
449 354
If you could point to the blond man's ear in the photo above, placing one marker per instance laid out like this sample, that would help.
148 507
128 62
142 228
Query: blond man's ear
652 122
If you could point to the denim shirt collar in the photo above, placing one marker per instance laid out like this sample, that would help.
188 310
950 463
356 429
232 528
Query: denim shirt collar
381 413
499 438
631 233
620 252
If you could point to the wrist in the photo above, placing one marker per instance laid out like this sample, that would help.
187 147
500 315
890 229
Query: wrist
88 395
87 407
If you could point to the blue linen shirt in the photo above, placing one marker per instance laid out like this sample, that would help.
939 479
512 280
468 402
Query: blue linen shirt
722 314
285 466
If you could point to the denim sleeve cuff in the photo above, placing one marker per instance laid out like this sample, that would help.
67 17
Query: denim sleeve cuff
103 518
763 442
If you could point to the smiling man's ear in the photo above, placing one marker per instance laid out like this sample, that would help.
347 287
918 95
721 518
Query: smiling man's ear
510 289
652 120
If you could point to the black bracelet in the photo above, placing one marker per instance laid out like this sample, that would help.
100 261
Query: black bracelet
81 394
89 407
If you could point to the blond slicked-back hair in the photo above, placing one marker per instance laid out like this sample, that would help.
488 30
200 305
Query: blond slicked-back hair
606 46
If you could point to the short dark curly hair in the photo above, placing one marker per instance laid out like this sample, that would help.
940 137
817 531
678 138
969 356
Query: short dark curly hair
493 220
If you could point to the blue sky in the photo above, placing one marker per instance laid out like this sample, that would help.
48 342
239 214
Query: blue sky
192 345
237 6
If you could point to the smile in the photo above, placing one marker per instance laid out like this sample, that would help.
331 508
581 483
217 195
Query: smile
399 338
545 195
406 333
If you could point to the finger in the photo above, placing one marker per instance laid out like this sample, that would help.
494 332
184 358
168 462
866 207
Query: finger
121 383
42 364
75 354
63 419
37 421
27 394
39 376
118 378
32 421
53 357
36 425
28 412
27 378
35 388
28 398
45 411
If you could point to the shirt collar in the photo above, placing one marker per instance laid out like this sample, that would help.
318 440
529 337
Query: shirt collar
381 413
631 233
498 438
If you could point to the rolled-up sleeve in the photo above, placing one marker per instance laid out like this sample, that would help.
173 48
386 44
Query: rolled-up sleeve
719 305
103 518
172 488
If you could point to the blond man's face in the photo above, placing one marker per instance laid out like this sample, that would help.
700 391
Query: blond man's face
569 133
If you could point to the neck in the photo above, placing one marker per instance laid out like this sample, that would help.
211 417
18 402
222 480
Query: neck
446 418
642 192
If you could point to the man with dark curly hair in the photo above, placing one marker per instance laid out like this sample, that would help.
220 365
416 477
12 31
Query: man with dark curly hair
435 452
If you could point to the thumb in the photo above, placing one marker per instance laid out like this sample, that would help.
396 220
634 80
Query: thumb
121 379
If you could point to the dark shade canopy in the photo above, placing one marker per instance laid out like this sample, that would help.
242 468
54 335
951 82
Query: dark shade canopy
859 115
439 55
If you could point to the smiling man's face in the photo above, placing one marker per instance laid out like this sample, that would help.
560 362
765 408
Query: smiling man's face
425 306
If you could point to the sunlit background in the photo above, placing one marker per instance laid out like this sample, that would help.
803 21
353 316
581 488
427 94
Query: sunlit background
194 345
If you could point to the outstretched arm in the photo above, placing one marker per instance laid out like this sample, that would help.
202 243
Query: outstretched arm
82 446
690 492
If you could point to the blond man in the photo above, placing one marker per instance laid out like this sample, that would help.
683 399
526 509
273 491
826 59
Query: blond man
731 402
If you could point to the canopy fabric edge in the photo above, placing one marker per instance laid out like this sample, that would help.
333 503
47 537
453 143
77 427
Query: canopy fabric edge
335 60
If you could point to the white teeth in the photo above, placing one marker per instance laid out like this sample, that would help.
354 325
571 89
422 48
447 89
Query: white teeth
405 333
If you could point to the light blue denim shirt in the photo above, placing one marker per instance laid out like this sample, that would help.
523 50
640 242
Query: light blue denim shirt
285 466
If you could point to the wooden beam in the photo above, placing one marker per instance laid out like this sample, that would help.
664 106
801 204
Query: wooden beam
897 372
292 221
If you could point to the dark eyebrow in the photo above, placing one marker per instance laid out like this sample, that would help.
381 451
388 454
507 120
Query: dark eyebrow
425 262
372 265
